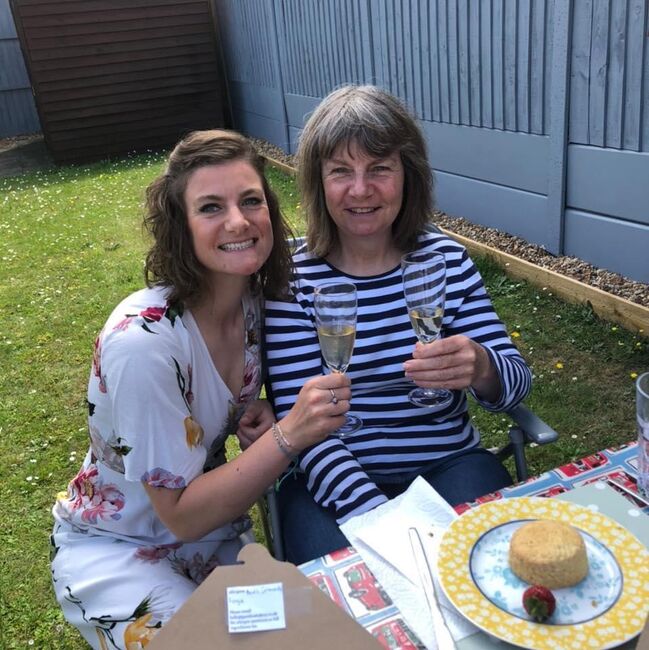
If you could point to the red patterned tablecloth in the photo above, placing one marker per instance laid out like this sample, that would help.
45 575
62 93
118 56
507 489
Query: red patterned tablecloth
344 577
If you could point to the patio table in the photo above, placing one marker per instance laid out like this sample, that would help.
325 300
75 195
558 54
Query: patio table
345 578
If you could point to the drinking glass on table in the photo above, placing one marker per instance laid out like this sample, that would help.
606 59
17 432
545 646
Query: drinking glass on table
335 314
424 287
642 415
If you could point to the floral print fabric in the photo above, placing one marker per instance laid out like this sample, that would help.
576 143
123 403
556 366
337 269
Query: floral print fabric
158 412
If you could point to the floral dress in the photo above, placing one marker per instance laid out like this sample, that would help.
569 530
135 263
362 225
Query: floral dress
158 412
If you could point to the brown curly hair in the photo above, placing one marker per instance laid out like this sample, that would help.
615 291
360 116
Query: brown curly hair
171 261
381 125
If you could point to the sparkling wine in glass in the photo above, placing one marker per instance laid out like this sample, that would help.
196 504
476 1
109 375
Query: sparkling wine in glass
335 314
424 288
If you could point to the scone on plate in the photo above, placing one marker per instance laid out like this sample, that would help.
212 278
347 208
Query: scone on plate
548 553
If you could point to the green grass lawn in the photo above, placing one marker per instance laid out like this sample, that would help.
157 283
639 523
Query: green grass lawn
71 246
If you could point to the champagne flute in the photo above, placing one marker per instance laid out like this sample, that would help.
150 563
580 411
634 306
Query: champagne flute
335 316
424 288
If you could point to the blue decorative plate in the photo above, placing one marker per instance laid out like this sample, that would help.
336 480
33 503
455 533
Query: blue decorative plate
594 595
608 607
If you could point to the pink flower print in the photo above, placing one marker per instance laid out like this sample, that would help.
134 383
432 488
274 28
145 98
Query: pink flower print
153 314
251 380
124 323
150 315
96 364
95 498
159 477
153 554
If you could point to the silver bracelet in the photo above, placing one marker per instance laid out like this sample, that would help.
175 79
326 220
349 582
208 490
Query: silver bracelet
283 444
281 435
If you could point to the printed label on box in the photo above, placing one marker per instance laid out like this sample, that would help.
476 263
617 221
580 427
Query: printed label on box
256 608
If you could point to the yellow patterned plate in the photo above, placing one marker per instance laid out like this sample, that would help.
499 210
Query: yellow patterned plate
476 578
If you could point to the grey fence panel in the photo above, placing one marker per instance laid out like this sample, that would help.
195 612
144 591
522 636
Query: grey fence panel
608 243
18 113
580 71
501 88
498 58
615 183
509 159
475 29
616 70
610 74
636 44
7 27
323 45
250 46
486 67
13 74
250 58
468 62
505 208
597 73
510 62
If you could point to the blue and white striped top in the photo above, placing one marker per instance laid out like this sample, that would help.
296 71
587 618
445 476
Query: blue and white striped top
397 436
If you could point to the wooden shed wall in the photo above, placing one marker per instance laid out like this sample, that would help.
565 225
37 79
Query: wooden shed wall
113 76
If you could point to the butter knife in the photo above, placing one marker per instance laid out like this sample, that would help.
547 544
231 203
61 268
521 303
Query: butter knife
631 493
442 633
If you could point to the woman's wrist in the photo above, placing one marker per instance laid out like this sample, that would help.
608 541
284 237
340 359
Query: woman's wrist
486 381
282 442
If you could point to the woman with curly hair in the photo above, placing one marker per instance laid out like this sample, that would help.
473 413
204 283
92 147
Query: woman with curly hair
176 370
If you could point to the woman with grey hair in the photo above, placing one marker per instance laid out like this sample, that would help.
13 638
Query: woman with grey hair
366 188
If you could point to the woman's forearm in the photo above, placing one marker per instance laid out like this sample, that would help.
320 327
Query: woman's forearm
221 495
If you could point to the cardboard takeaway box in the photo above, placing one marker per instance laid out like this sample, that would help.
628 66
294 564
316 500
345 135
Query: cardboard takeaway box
313 620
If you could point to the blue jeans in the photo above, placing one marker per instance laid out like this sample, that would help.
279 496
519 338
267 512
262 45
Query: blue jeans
310 531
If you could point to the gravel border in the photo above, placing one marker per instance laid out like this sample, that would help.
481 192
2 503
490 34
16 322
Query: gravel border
573 267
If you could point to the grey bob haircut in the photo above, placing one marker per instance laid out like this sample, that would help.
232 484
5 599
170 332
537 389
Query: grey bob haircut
380 125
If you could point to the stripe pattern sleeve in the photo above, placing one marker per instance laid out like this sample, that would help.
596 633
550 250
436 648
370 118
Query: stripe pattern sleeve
335 477
474 316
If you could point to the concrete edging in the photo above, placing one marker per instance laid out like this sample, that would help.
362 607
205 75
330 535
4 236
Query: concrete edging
630 315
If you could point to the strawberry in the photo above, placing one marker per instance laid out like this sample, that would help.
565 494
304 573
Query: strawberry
539 602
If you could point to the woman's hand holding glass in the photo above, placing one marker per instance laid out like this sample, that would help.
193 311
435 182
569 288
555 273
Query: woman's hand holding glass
424 289
335 306
316 414
455 363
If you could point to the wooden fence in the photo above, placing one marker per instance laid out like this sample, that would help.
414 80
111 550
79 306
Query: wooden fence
534 110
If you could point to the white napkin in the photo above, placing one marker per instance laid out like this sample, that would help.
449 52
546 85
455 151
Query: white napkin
381 538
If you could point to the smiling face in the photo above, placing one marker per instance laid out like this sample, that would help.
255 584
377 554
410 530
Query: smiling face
363 194
228 218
